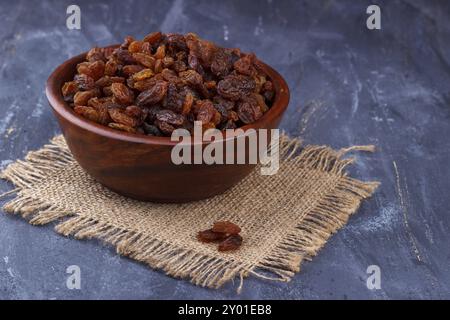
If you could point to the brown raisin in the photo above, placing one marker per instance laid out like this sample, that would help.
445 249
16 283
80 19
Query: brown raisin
122 127
81 98
187 103
165 127
191 77
222 63
119 116
205 111
106 81
249 111
143 74
69 89
151 130
226 227
87 112
209 235
153 95
84 82
131 69
153 37
122 93
111 67
232 242
135 46
170 117
134 111
245 65
235 87
95 54
144 59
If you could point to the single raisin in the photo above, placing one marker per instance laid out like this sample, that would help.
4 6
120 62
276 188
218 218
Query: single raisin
209 235
226 227
122 93
232 242
153 95
235 87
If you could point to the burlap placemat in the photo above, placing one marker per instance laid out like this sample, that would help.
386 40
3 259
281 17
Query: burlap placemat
285 218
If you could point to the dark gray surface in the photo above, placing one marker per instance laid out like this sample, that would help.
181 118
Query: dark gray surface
349 86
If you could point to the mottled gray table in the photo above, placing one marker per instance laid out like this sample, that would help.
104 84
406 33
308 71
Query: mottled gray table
350 85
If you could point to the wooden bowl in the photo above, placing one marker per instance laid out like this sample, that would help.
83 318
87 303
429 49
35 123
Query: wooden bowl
139 166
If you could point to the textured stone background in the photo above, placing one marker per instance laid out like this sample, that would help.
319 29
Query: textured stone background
349 86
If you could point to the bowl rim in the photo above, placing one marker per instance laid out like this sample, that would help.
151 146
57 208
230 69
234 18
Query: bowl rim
56 101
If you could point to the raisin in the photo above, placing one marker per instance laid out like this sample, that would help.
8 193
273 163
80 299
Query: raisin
81 98
153 37
144 59
135 46
87 112
122 127
226 227
122 93
97 69
153 95
111 67
232 242
176 42
191 77
222 63
179 66
235 87
134 111
131 69
224 103
173 100
69 89
158 65
249 111
124 56
195 65
168 62
151 130
205 111
106 81
152 112
160 52
245 65
95 54
209 235
170 76
126 42
187 103
84 82
102 110
143 74
165 127
170 117
144 84
260 100
119 116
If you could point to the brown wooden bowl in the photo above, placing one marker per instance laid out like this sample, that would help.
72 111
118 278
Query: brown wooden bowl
140 166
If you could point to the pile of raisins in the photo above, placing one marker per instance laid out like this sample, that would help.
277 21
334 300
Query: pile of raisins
168 81
224 232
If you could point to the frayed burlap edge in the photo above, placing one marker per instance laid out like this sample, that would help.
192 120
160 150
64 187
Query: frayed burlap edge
301 243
